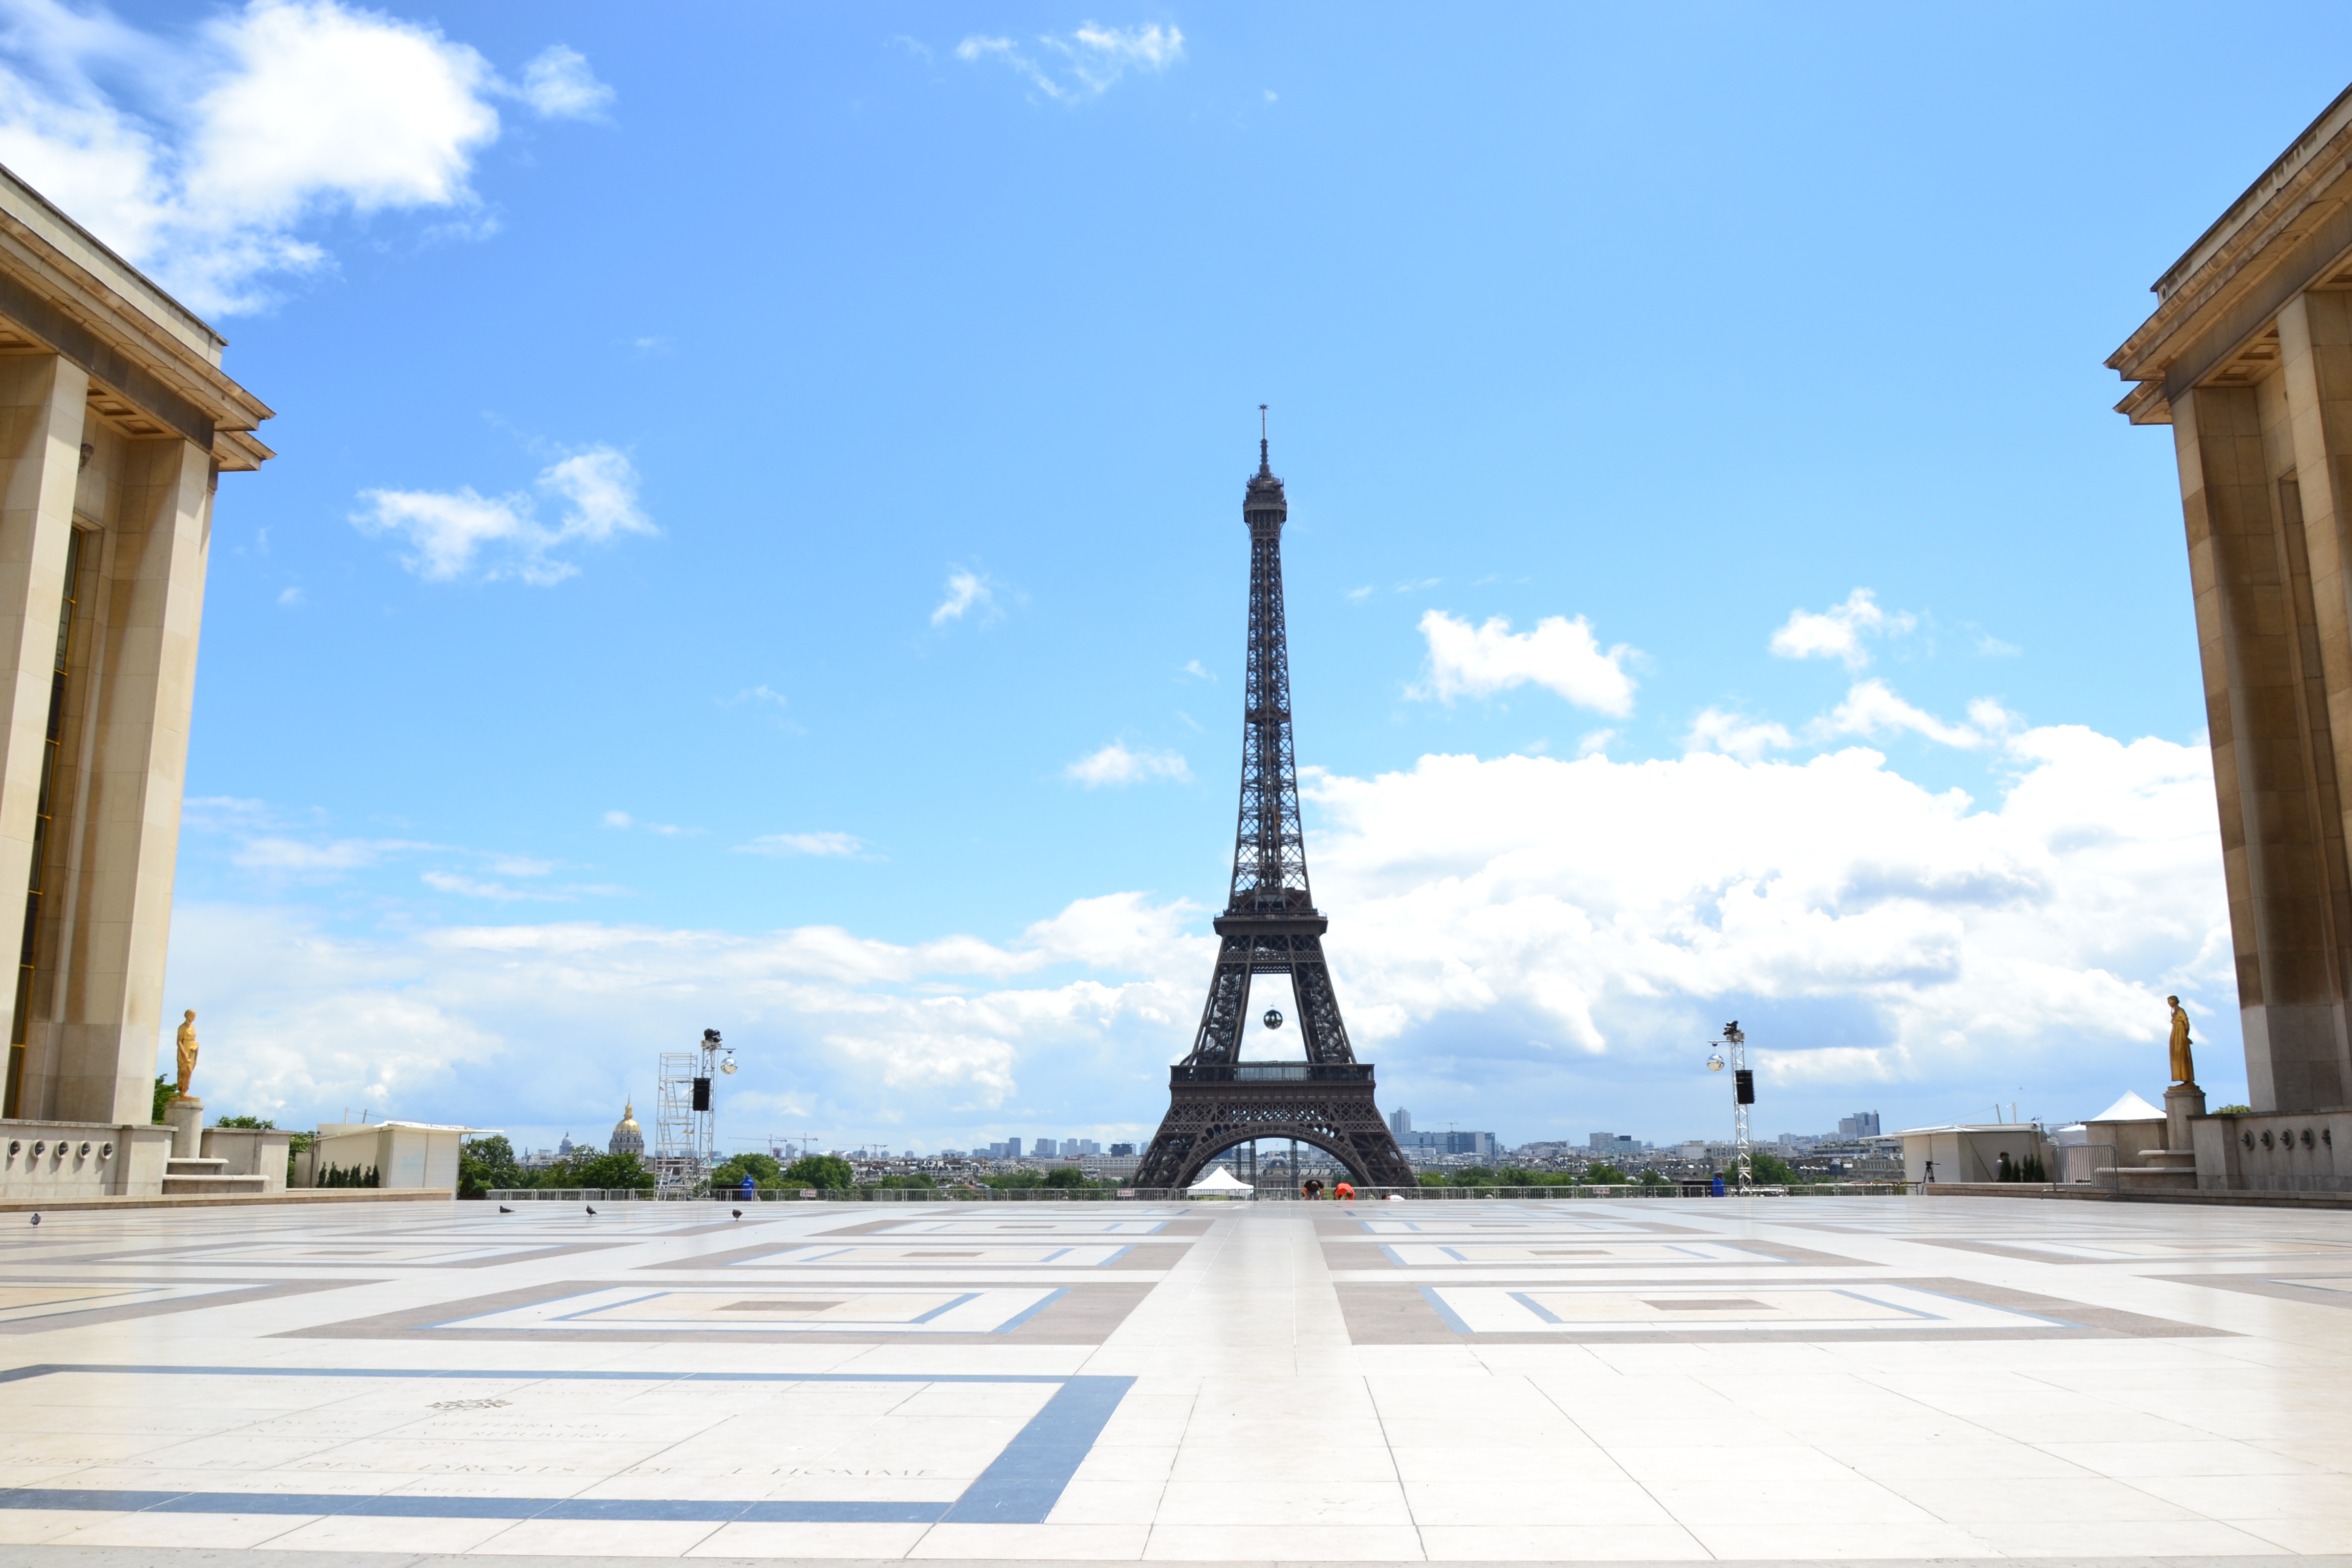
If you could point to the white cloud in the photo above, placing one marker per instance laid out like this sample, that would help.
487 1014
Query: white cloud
450 533
1116 765
291 599
966 592
1197 670
472 887
560 85
1525 939
618 819
274 854
1085 63
1872 708
1594 742
1559 654
201 155
804 844
1838 631
1717 730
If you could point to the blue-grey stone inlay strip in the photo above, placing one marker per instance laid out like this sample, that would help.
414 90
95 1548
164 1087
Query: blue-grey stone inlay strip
1020 1488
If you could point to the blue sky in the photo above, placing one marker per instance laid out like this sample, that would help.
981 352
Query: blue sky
756 544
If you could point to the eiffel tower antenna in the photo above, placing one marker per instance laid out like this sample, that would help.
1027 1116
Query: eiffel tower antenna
1272 927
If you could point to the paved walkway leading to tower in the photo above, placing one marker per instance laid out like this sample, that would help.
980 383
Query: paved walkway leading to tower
1690 1380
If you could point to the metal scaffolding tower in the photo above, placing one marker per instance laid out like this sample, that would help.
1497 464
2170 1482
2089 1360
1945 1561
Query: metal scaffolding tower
686 1120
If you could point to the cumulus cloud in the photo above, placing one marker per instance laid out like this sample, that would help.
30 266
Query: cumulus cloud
1518 939
1838 631
1116 765
1559 654
868 1033
1717 730
205 155
559 85
1872 708
459 533
1609 910
1083 64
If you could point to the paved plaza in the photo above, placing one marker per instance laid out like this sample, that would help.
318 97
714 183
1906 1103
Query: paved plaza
1770 1379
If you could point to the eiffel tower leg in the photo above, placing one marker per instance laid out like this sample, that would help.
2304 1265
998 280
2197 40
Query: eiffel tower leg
1220 1040
1326 1037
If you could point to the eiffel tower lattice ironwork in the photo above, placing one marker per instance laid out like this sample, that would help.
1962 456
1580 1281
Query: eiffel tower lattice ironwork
1270 927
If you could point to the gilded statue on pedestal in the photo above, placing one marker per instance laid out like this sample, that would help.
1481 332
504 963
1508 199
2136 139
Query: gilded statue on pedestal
187 1051
2184 1070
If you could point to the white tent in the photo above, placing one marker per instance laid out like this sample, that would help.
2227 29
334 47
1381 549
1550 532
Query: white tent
2130 1107
1219 1183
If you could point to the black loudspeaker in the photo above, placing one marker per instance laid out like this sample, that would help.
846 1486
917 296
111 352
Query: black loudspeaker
1744 1087
703 1092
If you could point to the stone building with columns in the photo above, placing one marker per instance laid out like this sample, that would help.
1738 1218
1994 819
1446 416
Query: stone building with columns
2248 357
116 423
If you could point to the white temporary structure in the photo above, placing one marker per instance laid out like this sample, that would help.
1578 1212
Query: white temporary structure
1219 1183
2130 1107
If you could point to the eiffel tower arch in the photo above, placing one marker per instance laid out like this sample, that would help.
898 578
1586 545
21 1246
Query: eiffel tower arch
1270 926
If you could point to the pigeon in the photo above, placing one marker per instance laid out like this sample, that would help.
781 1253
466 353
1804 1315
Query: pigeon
592 1208
37 1219
503 1209
737 1213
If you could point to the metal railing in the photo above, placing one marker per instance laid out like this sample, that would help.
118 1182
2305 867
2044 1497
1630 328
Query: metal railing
1271 1072
1589 1192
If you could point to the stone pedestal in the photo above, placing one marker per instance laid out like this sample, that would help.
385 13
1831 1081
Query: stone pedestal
185 1112
2182 1101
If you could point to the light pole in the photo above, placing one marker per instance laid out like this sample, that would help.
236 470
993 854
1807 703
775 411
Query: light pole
1743 1095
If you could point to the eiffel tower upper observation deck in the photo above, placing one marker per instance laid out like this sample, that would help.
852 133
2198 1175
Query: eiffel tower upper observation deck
1270 926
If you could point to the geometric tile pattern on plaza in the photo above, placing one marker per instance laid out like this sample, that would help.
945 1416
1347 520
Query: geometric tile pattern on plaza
1678 1380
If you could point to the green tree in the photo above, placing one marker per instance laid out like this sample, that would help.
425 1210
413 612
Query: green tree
1008 1181
1651 1179
610 1171
912 1179
828 1173
761 1168
1606 1173
261 1123
1769 1169
487 1163
164 1090
1430 1179
1067 1176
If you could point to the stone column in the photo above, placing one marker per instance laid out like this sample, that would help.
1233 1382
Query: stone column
2258 630
155 587
2315 376
42 408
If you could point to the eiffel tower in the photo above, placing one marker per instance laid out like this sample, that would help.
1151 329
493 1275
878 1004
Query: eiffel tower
1270 926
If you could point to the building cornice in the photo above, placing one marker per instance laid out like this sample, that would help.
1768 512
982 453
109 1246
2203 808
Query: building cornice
154 364
2290 230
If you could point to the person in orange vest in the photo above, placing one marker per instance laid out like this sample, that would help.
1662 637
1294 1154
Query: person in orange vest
1343 1193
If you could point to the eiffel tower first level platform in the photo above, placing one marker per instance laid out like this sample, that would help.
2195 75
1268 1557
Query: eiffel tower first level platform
1214 1106
1270 927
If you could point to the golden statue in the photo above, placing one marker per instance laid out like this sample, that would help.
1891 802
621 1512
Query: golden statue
187 1051
2184 1070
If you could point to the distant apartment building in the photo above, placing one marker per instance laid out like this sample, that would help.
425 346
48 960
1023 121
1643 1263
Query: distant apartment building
1045 1148
1400 1121
1861 1124
1121 1151
1614 1143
